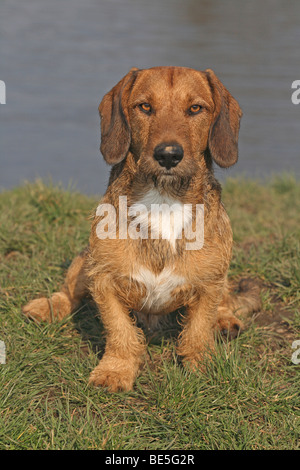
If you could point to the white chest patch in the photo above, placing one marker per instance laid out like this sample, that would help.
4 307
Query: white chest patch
159 287
165 215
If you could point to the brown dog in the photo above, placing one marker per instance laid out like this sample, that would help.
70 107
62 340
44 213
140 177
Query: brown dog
162 128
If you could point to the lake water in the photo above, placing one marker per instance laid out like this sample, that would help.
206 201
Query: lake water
58 58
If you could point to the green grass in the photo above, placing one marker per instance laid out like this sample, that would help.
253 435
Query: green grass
248 399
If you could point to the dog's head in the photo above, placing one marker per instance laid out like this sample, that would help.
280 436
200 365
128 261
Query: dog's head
172 119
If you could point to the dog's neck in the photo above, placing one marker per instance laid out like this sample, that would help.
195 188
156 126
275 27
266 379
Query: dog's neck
126 179
167 187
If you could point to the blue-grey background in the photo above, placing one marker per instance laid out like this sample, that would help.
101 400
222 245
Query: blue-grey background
59 57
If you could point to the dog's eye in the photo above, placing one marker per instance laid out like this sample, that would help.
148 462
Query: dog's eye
145 107
195 109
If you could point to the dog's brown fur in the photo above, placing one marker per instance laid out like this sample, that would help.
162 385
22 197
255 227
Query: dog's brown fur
110 269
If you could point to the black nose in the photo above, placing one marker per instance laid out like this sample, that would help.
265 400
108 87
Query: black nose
168 155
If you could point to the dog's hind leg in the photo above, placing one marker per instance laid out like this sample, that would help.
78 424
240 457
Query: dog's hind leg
233 306
62 303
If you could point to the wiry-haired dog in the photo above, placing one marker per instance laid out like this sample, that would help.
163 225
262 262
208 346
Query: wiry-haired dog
162 129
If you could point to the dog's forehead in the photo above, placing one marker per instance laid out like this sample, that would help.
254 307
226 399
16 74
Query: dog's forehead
161 82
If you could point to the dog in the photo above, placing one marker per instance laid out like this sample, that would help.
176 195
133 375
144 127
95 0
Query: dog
162 130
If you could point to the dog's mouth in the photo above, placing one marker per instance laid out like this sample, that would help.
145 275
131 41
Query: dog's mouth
173 171
171 182
168 179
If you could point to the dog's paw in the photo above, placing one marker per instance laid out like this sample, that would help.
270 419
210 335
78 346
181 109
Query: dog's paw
197 362
38 310
47 310
229 326
115 377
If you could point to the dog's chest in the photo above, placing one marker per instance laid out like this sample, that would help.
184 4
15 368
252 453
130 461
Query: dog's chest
161 217
160 288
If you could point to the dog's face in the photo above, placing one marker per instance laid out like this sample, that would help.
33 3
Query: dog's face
170 112
171 119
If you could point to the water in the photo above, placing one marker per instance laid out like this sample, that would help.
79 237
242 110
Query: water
59 58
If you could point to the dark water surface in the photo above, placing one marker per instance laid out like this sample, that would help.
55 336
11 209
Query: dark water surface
58 58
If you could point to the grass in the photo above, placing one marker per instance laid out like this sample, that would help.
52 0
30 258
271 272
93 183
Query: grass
249 398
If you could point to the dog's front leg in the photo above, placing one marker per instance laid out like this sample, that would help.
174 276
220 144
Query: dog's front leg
125 344
196 341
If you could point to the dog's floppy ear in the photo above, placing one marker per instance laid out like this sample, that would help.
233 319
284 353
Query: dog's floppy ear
224 131
115 128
